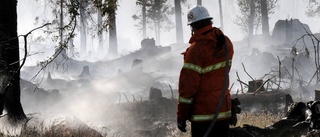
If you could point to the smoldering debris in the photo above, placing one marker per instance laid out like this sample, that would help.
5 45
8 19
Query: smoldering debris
302 119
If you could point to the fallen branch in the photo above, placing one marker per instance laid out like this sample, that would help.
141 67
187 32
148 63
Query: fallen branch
258 89
246 72
276 84
245 84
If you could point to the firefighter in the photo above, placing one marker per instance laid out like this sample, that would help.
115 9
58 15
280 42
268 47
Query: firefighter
202 77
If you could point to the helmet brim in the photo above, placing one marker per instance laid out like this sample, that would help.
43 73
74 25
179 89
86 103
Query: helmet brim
189 23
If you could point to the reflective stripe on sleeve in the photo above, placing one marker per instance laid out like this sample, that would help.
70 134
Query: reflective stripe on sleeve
185 100
222 115
206 69
215 67
192 67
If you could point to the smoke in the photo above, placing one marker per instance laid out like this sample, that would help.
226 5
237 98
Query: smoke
100 99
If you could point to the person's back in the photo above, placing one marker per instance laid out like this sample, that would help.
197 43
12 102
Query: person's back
203 77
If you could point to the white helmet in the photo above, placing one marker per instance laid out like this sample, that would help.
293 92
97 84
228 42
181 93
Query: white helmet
198 13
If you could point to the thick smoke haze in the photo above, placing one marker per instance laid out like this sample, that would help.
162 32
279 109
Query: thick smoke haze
94 99
129 36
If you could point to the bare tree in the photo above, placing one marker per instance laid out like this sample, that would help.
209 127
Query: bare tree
9 61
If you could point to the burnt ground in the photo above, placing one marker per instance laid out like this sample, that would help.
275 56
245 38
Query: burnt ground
157 117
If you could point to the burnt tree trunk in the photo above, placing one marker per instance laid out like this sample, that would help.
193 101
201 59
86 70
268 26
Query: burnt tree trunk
85 72
144 19
199 2
265 18
251 18
100 34
113 44
83 27
179 31
9 61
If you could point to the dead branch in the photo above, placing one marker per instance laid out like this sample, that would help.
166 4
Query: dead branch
308 32
316 51
126 97
301 82
279 72
171 91
239 82
257 90
268 84
245 84
133 98
276 84
60 48
23 60
246 71
26 46
237 92
315 73
288 72
292 68
231 86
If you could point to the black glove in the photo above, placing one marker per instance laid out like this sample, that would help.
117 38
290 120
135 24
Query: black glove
235 109
182 125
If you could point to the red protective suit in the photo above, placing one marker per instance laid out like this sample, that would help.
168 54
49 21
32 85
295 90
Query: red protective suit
202 76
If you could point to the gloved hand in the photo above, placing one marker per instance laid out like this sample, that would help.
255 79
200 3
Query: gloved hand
182 125
235 109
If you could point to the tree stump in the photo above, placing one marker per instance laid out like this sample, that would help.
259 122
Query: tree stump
137 65
317 94
254 85
85 72
49 76
155 93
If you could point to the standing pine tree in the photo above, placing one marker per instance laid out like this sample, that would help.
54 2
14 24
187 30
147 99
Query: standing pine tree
111 12
179 30
253 13
265 18
83 26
